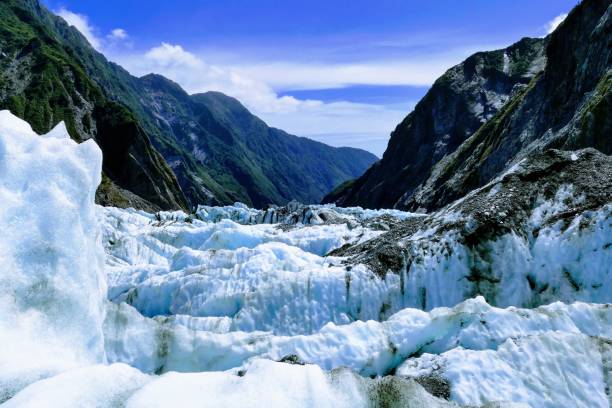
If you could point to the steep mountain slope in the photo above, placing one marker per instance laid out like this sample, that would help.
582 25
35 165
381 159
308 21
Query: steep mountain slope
457 104
536 94
43 80
49 73
240 158
566 107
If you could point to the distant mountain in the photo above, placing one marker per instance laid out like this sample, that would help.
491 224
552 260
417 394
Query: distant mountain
237 157
213 150
491 111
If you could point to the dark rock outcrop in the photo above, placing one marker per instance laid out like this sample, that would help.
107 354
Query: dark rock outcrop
438 155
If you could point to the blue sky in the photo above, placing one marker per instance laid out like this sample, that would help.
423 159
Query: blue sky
343 72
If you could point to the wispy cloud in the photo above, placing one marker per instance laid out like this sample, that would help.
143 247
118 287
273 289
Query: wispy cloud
305 117
117 34
81 23
195 75
302 76
90 32
257 84
554 23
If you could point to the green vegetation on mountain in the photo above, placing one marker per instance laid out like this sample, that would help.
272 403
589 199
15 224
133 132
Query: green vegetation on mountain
213 150
43 81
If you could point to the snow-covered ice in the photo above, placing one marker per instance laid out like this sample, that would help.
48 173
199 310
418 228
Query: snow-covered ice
262 277
239 307
245 276
525 369
52 286
370 347
294 213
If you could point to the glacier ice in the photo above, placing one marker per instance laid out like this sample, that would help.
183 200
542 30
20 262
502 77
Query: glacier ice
262 277
90 386
370 347
233 306
52 285
277 277
295 213
525 369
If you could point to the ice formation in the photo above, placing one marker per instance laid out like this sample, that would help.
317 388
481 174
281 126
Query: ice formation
245 277
52 286
234 274
238 307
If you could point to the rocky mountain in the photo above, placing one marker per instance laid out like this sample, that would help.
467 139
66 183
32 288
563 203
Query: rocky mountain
212 149
489 112
234 156
44 79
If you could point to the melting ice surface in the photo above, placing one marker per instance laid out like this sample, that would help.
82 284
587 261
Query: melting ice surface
230 276
107 307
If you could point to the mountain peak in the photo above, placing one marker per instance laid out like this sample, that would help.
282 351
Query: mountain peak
494 109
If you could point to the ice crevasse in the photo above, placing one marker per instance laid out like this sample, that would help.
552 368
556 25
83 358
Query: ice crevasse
64 343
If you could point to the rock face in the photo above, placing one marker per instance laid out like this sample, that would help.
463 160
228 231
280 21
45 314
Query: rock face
232 155
534 95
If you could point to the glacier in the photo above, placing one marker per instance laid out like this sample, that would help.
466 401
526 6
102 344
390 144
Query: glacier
300 305
52 285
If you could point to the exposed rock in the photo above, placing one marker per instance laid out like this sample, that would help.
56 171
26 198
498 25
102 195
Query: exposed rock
458 103
291 359
436 155
109 194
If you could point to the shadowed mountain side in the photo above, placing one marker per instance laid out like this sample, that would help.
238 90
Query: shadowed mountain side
491 111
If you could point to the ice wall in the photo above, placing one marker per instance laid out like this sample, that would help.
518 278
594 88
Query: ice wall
52 288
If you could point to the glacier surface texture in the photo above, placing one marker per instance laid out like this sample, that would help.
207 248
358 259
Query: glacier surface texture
313 306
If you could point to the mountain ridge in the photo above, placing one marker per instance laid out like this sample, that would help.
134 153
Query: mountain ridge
564 104
458 103
156 168
274 166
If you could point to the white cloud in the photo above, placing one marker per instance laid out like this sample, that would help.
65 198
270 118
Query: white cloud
329 122
554 23
319 76
91 33
195 75
81 23
117 34
168 55
255 85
